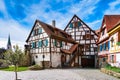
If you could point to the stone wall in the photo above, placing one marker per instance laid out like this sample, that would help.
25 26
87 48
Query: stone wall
109 72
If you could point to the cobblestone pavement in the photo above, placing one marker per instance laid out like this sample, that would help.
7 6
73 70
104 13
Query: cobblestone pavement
58 74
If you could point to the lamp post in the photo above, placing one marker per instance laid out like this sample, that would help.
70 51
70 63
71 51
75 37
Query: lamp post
43 60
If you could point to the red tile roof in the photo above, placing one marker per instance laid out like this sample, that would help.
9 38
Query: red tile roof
54 32
111 20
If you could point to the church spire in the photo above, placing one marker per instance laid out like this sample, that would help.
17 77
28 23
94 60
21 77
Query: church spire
9 43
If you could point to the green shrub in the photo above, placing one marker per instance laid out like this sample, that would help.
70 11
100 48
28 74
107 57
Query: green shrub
4 63
113 68
35 67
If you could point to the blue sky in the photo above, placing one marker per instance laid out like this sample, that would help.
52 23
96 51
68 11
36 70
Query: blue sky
18 16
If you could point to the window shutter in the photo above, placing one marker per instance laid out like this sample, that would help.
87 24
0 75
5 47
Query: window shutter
79 24
71 25
40 44
104 46
33 45
55 43
46 42
61 44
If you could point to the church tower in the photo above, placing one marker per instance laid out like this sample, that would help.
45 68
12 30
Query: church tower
9 46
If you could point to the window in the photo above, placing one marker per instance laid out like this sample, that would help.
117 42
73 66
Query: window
87 47
40 30
45 42
92 36
71 25
34 45
75 24
79 24
112 41
95 49
87 36
40 44
112 58
35 32
101 47
106 45
87 31
103 32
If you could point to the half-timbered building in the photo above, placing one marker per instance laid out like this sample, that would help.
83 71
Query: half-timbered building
85 36
53 47
46 43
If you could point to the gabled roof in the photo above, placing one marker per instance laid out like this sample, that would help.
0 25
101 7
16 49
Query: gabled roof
118 23
53 32
110 21
82 22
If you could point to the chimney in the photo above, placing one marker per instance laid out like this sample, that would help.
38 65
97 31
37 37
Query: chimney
53 23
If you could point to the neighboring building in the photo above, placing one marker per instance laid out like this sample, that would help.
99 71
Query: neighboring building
73 47
97 31
9 46
86 37
114 51
103 41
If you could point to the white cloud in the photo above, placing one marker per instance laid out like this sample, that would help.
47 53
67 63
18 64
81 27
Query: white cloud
19 33
114 7
9 26
3 43
95 24
83 9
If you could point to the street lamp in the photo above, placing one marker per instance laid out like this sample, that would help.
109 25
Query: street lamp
43 60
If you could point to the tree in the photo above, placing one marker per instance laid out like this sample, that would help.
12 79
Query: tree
15 57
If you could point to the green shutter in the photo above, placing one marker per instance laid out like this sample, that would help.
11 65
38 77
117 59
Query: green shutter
61 44
46 42
55 43
33 45
40 44
71 25
79 24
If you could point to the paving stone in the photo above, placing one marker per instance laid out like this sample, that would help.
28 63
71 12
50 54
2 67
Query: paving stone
58 74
